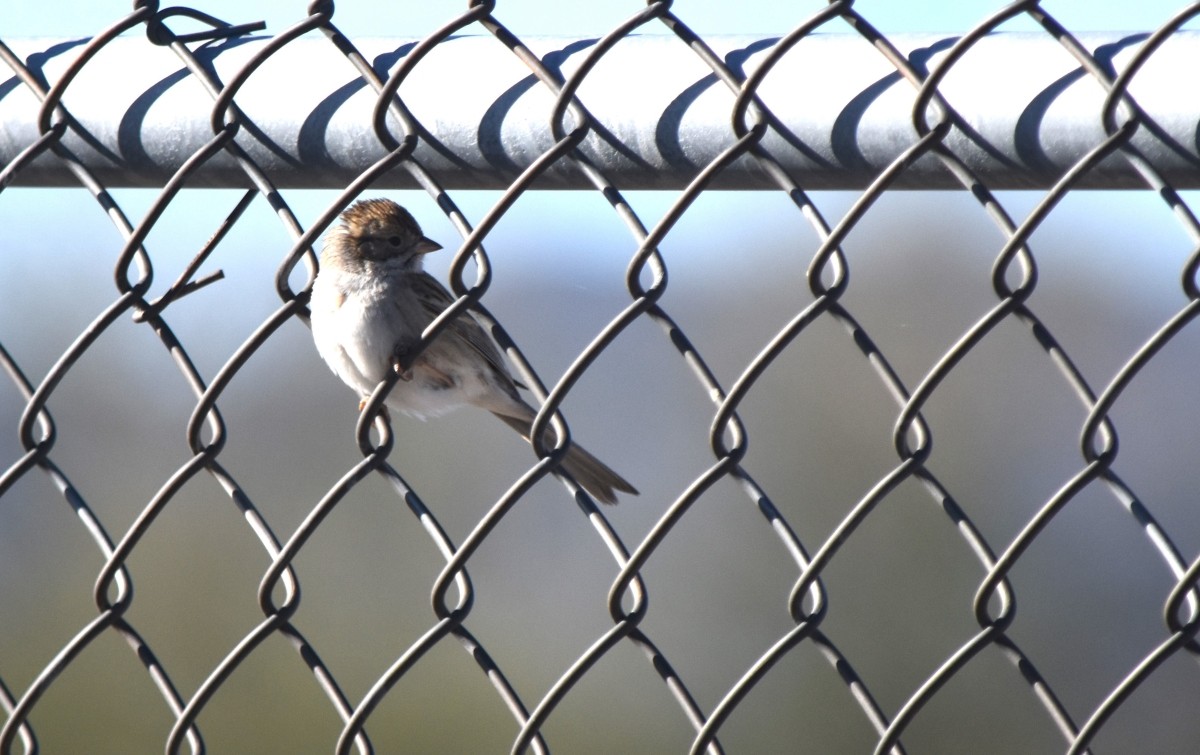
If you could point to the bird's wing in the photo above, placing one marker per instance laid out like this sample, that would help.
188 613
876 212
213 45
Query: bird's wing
435 299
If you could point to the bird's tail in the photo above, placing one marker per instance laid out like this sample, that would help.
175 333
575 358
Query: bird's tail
593 474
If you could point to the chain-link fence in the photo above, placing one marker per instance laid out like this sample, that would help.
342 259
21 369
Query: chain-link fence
883 506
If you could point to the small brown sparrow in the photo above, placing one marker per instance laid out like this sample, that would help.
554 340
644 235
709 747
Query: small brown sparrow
370 303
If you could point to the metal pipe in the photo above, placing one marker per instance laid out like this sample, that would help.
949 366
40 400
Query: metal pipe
1031 110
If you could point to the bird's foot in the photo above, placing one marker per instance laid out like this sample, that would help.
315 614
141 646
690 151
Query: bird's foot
405 373
362 402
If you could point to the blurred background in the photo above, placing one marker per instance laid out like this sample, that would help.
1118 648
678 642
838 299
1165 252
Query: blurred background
1005 430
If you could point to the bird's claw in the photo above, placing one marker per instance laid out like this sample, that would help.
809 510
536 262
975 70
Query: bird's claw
405 373
362 402
402 358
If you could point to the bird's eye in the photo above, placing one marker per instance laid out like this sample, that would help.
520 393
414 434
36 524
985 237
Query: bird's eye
395 241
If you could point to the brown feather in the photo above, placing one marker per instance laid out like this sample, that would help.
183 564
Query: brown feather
594 475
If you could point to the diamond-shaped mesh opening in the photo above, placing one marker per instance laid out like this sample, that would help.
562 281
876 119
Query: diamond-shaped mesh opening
916 467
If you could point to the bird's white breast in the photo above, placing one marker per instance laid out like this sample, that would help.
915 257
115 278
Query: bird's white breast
357 322
350 330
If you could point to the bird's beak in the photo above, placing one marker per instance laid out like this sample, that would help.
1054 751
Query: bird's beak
425 246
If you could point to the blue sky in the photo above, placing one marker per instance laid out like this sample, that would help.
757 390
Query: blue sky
82 17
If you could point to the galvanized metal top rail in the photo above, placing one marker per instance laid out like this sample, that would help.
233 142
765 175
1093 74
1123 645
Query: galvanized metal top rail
1023 111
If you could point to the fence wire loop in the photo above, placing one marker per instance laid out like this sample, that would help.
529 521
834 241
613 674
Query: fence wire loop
403 136
158 33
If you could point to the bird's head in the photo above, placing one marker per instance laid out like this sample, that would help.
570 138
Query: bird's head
379 230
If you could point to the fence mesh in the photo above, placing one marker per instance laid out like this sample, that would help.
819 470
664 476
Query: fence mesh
848 585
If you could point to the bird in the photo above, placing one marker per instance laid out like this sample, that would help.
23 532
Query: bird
370 302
